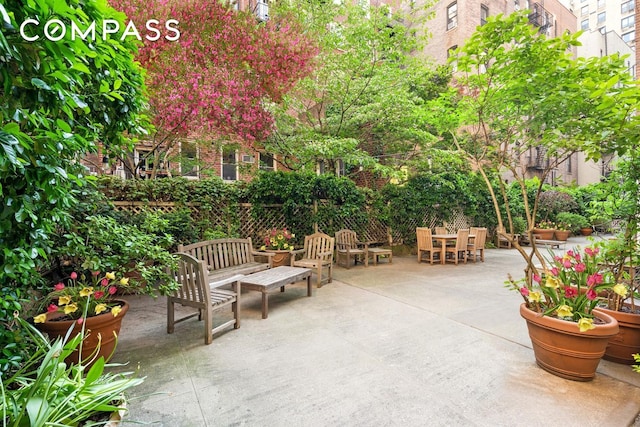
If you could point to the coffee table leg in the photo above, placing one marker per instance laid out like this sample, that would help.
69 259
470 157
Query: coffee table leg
265 304
309 287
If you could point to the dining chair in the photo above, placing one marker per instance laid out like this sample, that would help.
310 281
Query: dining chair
476 244
441 230
348 246
425 244
459 251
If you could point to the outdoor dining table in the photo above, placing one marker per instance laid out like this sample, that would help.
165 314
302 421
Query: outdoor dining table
443 239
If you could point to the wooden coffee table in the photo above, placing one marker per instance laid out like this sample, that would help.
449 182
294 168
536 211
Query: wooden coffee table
278 277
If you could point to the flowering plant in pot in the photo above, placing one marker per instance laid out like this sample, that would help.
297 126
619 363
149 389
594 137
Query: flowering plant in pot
277 239
570 287
88 303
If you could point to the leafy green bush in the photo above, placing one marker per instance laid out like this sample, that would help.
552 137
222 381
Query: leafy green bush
573 221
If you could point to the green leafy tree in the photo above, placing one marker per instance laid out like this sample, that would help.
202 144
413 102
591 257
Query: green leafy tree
360 106
518 91
58 99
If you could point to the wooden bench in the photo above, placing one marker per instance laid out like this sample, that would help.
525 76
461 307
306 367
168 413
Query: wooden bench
227 257
552 243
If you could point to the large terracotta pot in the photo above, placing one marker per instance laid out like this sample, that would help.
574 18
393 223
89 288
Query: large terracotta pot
561 349
280 258
102 329
586 231
622 347
544 233
562 235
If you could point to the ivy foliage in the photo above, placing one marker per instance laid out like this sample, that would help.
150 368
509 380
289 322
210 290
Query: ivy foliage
57 99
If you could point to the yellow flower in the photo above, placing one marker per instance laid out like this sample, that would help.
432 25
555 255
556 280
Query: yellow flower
124 281
40 318
565 311
87 291
585 324
70 308
621 289
64 300
263 247
100 308
116 310
552 282
110 276
534 296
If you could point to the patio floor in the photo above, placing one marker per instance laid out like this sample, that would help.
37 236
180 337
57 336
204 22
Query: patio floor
405 344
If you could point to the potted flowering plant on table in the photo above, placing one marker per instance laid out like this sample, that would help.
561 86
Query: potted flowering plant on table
85 306
544 230
280 243
568 332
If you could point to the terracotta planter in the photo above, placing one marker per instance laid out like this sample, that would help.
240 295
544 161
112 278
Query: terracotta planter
280 258
586 231
544 233
562 235
622 347
561 349
102 329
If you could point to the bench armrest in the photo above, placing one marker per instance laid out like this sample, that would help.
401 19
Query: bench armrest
228 280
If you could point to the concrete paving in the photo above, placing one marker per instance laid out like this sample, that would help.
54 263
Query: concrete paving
405 344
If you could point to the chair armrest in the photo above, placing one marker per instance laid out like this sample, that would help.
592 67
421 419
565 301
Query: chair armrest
228 280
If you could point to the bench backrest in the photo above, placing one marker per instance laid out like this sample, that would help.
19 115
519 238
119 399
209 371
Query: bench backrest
221 253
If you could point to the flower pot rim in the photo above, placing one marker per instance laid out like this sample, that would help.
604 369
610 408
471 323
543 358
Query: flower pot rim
609 328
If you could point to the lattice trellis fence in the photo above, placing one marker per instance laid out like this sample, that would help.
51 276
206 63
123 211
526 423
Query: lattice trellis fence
239 219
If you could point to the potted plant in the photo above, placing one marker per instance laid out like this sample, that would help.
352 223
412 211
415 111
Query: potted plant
572 221
562 231
46 390
544 230
85 303
568 333
279 242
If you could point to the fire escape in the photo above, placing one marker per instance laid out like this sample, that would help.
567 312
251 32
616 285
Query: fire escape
541 18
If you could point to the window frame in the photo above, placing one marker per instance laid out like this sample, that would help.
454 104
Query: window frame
452 18
225 152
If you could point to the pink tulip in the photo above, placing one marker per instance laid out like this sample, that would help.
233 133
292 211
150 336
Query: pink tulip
591 294
570 292
52 308
524 291
59 286
537 278
112 290
73 275
580 267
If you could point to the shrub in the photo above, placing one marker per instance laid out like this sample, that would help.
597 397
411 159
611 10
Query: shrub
574 222
552 202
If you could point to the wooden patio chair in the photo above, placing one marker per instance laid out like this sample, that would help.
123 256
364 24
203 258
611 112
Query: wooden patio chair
196 291
348 246
505 242
425 244
317 254
477 244
459 251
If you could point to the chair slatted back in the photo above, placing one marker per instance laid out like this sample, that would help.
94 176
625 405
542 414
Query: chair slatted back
463 239
441 230
425 240
319 246
346 239
193 278
481 237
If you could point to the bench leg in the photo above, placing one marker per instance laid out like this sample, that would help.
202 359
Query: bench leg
170 316
309 286
265 304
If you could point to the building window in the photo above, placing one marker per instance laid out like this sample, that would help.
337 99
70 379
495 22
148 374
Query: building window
627 6
629 37
229 164
627 22
189 159
584 25
602 16
584 10
484 14
601 4
452 15
267 162
569 165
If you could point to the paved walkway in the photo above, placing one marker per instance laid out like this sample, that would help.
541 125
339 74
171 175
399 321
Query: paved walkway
405 344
